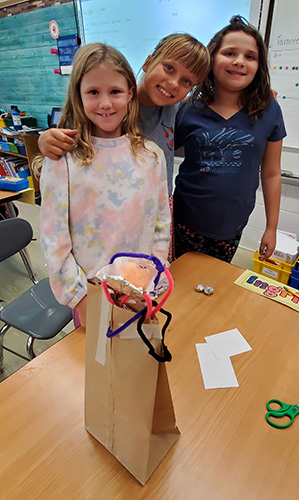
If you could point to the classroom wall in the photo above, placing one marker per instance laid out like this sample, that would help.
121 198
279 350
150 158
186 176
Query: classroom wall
27 79
14 7
288 216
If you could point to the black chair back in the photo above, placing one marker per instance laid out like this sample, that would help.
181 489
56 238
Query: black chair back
15 234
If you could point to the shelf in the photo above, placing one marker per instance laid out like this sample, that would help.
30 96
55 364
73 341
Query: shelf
12 153
31 147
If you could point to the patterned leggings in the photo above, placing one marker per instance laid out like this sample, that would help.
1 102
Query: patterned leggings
188 241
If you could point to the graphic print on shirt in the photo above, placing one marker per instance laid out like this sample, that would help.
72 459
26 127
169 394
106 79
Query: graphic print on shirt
168 131
221 151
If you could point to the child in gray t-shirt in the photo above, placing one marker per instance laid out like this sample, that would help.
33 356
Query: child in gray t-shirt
178 63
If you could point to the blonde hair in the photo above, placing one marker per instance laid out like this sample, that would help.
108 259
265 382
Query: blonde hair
73 115
185 49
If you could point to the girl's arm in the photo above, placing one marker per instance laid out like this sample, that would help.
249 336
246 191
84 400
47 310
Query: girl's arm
56 142
68 281
271 184
162 229
81 309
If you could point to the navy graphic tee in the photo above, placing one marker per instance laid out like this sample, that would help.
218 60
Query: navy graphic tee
217 181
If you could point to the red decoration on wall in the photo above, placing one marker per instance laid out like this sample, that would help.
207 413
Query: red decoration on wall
54 29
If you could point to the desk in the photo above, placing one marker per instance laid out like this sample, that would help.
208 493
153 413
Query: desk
26 196
226 451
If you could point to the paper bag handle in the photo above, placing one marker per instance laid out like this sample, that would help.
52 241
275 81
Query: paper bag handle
151 350
125 325
141 315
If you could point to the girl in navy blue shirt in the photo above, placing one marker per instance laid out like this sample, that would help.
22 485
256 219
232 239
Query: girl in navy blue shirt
232 130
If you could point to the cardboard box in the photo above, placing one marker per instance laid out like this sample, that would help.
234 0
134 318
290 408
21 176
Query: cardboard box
287 247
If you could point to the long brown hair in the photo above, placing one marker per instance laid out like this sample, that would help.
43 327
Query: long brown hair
257 96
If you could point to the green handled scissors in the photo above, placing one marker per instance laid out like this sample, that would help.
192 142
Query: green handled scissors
285 410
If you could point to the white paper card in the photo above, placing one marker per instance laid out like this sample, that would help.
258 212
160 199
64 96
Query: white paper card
227 343
102 338
215 373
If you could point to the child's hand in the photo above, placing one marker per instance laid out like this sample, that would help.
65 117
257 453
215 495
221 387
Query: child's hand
81 309
274 93
268 243
56 142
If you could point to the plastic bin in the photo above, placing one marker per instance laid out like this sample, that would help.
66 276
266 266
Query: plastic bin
21 149
13 183
273 268
294 278
29 121
13 148
24 174
4 146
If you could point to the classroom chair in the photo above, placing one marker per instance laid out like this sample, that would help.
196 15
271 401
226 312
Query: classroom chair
35 312
7 211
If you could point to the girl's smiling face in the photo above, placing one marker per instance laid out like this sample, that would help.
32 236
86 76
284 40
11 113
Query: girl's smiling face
105 96
236 63
166 83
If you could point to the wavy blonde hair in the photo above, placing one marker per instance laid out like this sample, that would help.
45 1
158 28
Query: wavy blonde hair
73 115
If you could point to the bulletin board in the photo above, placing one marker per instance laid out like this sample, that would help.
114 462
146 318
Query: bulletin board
284 65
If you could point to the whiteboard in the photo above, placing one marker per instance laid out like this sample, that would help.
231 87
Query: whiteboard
284 65
134 27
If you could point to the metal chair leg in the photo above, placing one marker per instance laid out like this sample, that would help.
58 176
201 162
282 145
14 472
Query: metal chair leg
2 333
23 253
26 260
3 347
29 347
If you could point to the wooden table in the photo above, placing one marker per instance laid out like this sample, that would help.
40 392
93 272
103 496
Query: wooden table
226 451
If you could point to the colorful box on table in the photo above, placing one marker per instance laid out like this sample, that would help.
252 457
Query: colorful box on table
13 183
273 268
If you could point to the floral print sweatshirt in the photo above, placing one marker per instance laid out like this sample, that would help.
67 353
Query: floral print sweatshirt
119 203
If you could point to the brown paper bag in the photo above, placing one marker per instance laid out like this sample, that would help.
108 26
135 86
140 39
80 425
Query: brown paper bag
128 405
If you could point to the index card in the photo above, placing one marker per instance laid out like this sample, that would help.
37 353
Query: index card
215 373
227 343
